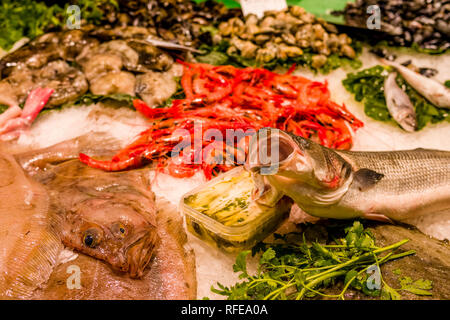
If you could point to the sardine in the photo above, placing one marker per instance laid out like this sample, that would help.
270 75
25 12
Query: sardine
430 89
399 104
29 232
339 184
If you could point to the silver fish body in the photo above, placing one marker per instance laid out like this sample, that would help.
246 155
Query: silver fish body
327 183
432 90
399 104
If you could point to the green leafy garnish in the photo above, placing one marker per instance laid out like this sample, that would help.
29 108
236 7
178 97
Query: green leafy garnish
302 270
25 18
447 83
89 98
3 108
419 287
114 100
368 87
28 18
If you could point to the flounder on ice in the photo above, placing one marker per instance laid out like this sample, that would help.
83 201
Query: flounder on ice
111 217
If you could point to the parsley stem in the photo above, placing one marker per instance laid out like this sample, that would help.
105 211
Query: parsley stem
366 255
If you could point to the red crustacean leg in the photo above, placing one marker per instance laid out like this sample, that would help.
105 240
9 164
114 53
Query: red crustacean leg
186 83
211 86
344 113
110 165
154 113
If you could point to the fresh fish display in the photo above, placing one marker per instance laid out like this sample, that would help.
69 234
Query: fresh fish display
29 232
339 184
110 217
399 105
172 274
432 90
165 98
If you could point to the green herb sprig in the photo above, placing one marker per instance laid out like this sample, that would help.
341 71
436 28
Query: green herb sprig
303 270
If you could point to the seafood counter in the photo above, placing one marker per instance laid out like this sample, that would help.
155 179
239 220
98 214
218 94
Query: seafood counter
180 150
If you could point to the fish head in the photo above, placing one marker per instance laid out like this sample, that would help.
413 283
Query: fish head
407 120
114 232
275 152
296 167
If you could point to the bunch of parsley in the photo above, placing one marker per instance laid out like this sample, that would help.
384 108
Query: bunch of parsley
302 270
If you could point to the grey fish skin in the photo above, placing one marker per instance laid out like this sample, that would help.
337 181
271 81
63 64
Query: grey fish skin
399 104
432 90
385 186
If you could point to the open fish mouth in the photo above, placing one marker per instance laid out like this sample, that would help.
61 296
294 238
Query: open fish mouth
137 255
140 253
271 152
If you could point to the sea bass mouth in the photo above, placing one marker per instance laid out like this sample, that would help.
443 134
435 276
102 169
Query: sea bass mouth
270 151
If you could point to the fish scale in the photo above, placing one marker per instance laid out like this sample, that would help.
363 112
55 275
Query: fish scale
403 169
414 182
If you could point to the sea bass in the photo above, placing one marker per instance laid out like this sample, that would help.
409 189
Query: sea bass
432 90
109 216
399 104
29 232
338 184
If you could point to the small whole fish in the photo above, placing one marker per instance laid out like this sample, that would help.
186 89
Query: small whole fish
432 90
336 184
399 105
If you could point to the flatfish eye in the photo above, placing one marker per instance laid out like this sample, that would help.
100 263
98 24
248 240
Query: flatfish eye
119 230
91 238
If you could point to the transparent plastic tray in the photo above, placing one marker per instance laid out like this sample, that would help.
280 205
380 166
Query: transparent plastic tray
235 237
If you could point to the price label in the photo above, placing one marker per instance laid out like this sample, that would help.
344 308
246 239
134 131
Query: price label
258 7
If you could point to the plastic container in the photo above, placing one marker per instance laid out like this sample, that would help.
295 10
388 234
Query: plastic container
252 223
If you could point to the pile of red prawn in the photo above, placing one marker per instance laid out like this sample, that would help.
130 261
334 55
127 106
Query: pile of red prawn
225 97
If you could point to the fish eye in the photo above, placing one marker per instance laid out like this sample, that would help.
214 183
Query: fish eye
119 229
91 238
